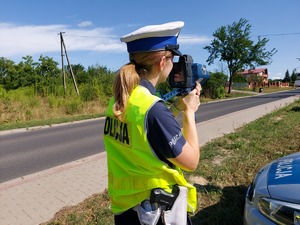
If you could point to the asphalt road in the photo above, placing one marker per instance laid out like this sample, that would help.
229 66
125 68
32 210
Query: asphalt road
23 153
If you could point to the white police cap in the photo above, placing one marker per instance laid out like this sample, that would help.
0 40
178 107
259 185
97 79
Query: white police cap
154 38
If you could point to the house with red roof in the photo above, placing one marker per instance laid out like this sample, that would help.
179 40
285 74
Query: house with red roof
260 72
263 74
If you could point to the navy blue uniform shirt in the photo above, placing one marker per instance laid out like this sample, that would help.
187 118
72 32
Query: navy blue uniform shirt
163 131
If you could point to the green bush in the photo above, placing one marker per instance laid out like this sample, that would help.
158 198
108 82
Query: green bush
29 91
73 106
33 102
215 86
28 114
52 101
89 93
219 92
3 92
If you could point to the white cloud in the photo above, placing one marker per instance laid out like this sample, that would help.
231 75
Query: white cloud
85 24
18 40
276 78
192 39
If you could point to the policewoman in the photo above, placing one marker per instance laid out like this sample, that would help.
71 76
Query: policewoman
146 148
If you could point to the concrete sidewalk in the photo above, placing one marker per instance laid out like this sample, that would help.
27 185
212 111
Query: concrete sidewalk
35 198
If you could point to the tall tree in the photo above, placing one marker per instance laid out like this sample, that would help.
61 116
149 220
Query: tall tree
27 75
47 67
287 77
8 73
49 75
293 76
232 44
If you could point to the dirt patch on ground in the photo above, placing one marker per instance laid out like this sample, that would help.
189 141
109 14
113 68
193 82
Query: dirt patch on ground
198 180
217 160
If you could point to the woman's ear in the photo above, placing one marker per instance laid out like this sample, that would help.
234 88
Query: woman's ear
162 62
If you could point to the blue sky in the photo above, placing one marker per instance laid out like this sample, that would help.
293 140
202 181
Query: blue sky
93 28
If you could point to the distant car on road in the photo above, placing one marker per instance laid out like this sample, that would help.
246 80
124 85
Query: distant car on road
274 195
297 81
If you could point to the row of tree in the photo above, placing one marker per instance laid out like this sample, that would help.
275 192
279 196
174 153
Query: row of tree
46 73
290 78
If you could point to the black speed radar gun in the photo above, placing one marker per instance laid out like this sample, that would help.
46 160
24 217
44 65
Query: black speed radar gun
184 75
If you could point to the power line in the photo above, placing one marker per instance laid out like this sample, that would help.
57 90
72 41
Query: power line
85 36
272 35
256 35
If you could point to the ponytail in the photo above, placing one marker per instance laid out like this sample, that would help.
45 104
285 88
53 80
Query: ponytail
127 79
141 66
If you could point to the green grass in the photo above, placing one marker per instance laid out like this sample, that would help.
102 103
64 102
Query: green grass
48 122
227 166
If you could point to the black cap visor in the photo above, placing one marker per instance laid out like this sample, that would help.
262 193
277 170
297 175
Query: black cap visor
174 49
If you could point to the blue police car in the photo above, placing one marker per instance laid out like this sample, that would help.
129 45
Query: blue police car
274 195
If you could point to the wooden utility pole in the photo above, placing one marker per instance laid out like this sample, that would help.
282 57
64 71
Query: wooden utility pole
72 74
62 63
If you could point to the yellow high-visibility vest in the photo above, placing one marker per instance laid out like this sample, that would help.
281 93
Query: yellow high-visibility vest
133 168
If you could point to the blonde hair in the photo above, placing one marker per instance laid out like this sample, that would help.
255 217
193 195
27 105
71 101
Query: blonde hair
141 65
